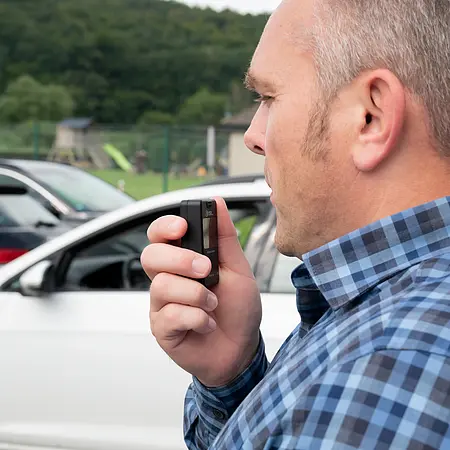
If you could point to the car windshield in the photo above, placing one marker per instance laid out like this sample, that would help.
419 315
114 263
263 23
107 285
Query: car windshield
82 191
24 210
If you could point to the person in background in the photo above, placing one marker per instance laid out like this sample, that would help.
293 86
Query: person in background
354 127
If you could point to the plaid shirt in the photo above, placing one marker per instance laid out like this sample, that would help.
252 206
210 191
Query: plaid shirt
369 365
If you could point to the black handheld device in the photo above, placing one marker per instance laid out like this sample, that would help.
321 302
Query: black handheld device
201 235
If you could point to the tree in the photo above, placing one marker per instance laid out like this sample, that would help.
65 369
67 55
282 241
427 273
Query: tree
27 99
204 107
156 118
121 58
57 103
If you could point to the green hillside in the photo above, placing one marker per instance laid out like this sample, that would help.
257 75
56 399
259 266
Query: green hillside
123 61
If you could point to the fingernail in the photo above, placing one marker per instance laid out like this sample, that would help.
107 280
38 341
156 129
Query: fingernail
200 266
211 302
174 225
212 324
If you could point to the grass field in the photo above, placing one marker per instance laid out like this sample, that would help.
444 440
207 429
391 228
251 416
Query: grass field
146 185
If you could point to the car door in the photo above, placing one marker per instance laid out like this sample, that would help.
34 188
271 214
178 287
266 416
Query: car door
11 177
80 368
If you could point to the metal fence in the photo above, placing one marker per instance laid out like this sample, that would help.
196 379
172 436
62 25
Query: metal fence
163 148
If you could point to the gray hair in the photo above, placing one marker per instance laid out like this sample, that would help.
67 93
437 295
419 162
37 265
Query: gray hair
411 38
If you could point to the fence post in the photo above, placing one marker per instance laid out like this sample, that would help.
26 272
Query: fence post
211 149
36 140
166 158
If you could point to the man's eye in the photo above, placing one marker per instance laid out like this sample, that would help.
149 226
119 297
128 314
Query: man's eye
263 98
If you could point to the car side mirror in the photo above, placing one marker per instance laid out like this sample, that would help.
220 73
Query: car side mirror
35 281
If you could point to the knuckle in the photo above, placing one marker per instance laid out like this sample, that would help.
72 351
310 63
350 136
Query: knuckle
198 293
155 324
171 313
161 283
152 324
184 260
202 319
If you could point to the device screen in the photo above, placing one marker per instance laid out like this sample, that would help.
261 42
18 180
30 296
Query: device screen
209 232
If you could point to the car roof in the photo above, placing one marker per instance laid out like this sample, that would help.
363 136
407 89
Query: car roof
30 164
234 179
233 191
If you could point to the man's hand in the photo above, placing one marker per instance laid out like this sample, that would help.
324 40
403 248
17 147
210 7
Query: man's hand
213 334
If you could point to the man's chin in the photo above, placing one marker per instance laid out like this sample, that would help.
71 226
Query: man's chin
283 245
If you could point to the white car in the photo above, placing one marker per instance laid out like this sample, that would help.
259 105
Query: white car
79 367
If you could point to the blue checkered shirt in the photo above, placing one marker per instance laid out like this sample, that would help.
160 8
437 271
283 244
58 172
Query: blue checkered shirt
369 364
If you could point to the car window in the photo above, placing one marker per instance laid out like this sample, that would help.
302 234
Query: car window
76 186
6 180
6 220
22 209
244 220
130 241
113 261
280 281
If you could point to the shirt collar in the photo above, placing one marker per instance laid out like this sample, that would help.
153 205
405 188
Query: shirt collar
347 267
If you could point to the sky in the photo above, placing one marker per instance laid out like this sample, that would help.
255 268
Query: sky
244 6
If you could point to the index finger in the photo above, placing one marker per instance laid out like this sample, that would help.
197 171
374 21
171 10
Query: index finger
166 229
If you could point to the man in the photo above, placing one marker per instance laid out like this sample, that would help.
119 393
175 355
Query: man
355 130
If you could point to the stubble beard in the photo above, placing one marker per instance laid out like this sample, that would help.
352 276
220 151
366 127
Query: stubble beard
291 237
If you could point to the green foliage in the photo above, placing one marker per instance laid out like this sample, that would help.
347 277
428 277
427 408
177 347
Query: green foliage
122 58
20 139
155 118
56 101
27 99
204 107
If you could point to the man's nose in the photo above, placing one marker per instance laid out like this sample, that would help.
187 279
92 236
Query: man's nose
255 135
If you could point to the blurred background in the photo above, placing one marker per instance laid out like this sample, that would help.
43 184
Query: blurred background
145 94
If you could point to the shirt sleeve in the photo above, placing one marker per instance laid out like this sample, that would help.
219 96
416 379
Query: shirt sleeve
389 399
208 409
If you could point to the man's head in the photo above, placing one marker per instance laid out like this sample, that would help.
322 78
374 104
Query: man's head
354 120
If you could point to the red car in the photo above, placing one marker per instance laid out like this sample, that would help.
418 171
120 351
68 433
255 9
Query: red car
24 223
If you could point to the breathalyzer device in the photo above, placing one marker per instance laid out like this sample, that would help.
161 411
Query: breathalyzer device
201 235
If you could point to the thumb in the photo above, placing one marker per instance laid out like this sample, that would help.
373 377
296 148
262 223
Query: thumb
231 254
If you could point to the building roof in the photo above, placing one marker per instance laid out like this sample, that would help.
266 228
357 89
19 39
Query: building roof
77 122
241 119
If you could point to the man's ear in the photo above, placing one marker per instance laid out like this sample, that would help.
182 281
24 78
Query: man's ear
382 97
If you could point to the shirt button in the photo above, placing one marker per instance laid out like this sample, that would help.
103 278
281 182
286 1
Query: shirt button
218 414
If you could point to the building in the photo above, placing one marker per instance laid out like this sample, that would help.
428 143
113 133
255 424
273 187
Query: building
241 161
79 143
